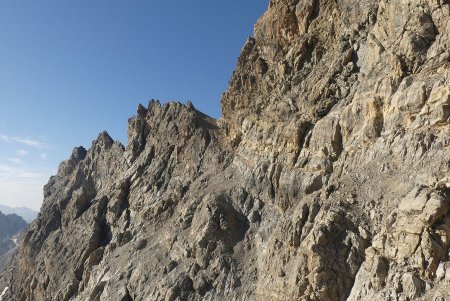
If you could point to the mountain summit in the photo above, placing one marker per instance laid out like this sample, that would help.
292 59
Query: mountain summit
327 177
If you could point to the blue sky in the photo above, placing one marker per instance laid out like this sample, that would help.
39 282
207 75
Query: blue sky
71 69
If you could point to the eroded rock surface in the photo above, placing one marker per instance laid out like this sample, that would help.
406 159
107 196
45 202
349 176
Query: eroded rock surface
327 178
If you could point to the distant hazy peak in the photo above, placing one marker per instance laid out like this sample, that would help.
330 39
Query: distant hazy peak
26 213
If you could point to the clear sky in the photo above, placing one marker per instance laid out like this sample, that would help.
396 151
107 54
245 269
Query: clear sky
71 69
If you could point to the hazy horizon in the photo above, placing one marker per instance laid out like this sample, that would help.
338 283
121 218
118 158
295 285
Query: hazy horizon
72 70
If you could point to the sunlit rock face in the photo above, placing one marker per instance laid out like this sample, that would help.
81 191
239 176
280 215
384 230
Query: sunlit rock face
327 177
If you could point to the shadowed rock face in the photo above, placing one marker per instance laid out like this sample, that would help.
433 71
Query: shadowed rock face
327 178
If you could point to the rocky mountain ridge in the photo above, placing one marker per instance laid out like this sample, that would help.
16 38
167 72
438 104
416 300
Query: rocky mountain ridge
327 178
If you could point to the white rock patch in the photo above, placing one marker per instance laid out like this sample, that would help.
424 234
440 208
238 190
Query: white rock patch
4 292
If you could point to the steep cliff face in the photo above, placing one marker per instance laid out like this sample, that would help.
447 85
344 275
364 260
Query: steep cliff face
327 178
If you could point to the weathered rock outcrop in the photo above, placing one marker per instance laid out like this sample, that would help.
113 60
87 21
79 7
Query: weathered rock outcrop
327 178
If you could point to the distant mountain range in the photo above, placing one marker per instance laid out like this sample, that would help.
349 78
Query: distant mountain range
26 213
10 225
12 222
